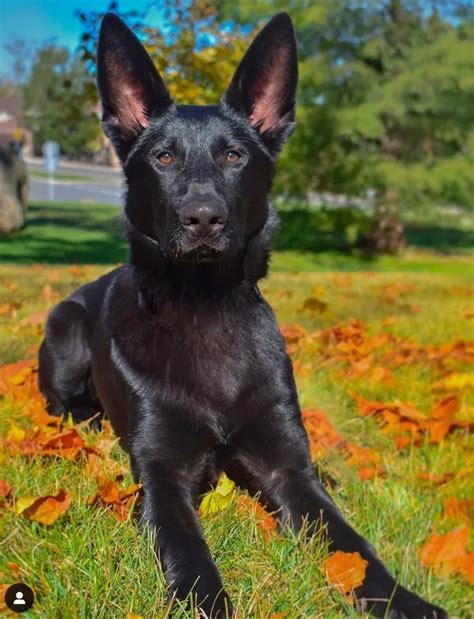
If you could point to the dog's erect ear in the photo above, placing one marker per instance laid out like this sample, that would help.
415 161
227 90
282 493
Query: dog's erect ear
130 87
264 86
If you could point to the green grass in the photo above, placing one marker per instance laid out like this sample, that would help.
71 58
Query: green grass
87 565
68 233
74 233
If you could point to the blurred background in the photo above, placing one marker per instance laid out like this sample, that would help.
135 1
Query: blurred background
381 157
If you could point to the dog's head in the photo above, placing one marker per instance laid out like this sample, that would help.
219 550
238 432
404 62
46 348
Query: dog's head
198 176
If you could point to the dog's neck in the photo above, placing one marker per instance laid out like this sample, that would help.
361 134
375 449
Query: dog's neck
245 269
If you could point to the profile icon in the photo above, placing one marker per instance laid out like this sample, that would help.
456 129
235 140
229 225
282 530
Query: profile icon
19 597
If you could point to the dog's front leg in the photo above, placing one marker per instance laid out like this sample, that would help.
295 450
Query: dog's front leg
275 462
184 555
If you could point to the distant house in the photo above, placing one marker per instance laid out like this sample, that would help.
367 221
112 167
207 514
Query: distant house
12 126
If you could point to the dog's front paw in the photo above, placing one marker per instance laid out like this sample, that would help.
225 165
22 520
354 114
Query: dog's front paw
407 605
216 606
399 604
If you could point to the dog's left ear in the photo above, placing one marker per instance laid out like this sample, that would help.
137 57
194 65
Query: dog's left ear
130 87
264 86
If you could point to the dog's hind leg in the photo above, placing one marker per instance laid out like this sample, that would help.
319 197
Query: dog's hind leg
64 363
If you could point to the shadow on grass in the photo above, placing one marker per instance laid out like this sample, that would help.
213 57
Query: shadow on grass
68 234
439 238
91 234
316 231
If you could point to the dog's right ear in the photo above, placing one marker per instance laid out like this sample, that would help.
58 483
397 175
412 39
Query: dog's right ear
130 87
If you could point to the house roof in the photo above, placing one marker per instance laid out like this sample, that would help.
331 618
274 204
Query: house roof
11 114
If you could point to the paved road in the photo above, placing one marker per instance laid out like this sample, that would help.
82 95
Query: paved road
94 184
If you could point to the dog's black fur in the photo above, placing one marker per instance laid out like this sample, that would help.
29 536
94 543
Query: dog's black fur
179 347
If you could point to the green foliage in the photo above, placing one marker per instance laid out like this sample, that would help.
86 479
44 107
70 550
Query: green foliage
192 49
58 102
384 100
448 181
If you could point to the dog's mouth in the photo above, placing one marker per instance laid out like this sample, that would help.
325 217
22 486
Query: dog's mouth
202 253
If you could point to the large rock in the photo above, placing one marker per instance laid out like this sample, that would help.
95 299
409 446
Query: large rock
13 190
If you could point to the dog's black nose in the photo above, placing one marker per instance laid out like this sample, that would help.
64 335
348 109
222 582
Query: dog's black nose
203 219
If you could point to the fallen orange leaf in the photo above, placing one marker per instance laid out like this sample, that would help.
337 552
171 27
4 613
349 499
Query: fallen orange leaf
434 478
65 445
14 374
44 509
462 510
119 501
322 434
410 425
49 294
35 319
6 491
266 523
447 553
345 570
14 567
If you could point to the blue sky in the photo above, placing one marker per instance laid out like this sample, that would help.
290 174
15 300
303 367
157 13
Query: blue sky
38 20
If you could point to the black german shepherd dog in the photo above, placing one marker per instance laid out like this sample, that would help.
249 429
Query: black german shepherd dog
179 347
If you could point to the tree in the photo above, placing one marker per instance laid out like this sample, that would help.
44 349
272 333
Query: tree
194 51
384 96
59 101
21 52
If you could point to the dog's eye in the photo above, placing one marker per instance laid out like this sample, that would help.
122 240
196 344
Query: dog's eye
165 157
232 156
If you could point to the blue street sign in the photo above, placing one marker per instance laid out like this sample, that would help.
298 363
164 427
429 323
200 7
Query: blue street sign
50 151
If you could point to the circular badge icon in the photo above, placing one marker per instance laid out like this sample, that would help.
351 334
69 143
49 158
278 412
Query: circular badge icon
19 597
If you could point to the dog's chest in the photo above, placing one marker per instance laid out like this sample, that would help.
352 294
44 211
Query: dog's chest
211 352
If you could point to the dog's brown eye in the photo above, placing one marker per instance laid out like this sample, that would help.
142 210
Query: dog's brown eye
165 158
232 156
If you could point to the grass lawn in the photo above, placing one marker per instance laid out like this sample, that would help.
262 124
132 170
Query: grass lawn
87 564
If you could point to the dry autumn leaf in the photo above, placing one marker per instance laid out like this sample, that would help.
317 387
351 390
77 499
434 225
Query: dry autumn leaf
118 501
455 382
410 426
45 509
35 319
49 294
6 493
14 374
461 510
65 445
434 478
293 335
447 554
323 437
345 570
5 489
265 521
314 306
219 498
